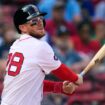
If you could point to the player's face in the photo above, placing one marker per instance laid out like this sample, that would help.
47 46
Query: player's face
35 27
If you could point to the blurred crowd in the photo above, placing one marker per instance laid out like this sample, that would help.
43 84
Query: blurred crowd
76 30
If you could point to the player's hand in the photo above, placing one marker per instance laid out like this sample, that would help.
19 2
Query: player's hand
69 87
80 80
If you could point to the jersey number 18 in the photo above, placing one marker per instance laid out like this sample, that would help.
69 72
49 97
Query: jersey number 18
14 63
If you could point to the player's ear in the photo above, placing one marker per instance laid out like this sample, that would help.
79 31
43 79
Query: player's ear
22 28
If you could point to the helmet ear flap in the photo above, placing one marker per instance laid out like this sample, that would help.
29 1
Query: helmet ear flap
44 22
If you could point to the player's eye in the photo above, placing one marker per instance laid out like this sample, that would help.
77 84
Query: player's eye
34 23
35 20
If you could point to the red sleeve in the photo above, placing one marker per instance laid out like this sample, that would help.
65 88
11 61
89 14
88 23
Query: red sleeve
65 73
51 86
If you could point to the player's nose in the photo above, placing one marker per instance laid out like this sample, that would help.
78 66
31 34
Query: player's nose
40 22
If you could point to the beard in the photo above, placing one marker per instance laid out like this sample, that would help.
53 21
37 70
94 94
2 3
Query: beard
36 35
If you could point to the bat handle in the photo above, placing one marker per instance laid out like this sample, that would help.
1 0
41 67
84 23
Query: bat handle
82 73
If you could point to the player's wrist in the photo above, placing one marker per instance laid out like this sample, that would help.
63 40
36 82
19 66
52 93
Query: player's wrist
58 87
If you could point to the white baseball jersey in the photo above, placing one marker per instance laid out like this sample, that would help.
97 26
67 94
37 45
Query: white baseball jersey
29 60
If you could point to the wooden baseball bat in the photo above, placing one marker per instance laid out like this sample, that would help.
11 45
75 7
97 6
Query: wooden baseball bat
95 60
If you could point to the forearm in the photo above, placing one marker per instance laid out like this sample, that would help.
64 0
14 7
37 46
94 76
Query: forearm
51 86
65 73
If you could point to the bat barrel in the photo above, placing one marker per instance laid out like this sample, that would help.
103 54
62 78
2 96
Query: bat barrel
96 60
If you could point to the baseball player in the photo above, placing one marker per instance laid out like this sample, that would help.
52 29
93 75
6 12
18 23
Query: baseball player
30 59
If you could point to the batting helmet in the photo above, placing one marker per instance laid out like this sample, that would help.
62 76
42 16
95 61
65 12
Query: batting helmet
26 13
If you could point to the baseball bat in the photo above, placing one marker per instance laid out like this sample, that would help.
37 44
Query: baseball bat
95 60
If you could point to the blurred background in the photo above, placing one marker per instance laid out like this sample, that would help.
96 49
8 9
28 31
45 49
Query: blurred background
76 30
